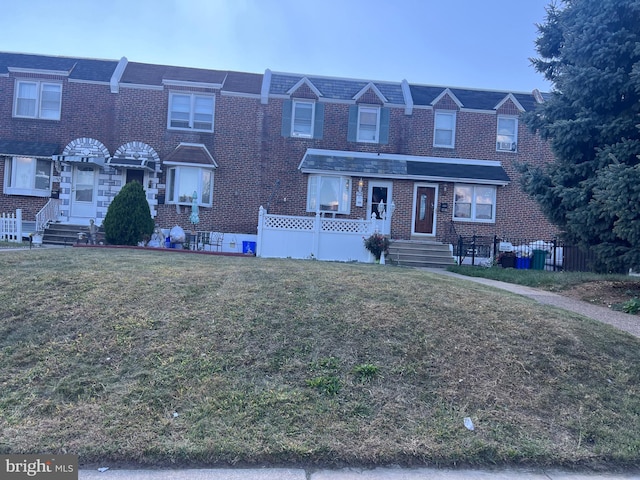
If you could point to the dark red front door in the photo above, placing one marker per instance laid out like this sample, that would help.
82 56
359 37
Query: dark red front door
425 200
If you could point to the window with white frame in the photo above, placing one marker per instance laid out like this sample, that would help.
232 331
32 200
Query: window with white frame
37 100
369 124
444 131
183 181
28 176
329 194
507 138
302 119
474 203
191 112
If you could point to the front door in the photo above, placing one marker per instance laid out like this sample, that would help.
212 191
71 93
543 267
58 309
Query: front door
425 210
135 175
83 192
380 191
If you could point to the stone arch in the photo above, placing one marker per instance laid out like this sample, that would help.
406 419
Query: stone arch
86 147
137 150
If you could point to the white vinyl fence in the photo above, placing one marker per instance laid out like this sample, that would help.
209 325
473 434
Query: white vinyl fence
317 237
11 226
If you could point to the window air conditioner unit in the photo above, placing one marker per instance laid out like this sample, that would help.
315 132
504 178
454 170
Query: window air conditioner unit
507 146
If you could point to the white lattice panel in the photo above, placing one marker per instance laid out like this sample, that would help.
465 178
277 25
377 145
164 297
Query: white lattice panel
344 226
288 223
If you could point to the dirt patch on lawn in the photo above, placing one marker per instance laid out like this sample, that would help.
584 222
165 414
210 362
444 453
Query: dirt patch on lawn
612 294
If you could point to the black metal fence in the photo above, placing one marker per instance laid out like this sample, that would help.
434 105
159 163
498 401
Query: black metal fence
537 254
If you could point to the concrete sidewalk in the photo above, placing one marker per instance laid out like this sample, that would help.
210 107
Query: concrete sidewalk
351 474
620 320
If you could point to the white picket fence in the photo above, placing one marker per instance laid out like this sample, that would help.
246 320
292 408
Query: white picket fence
317 237
11 226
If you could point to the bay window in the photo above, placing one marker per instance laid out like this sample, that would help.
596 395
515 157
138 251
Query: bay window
329 194
474 203
28 176
182 182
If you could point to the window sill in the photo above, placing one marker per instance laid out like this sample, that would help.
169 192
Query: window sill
189 129
189 204
18 117
27 192
473 220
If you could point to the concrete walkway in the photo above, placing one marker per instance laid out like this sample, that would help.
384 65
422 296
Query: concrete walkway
350 474
620 320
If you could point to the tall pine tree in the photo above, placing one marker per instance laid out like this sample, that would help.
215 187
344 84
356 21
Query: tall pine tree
590 51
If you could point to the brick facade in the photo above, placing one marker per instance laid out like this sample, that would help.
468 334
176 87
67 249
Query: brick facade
256 164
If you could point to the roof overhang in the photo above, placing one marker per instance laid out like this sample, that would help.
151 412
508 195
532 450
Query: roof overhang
192 154
132 163
13 148
410 167
98 161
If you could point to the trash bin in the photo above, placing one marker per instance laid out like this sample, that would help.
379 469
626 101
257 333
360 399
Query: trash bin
539 258
249 248
523 263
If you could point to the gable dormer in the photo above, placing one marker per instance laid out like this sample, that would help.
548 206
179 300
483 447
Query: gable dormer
509 105
304 88
371 95
446 101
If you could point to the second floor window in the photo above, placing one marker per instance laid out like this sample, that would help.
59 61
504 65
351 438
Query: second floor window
302 119
38 100
191 112
444 132
506 140
368 124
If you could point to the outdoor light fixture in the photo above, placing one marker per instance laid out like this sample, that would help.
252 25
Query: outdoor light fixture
360 185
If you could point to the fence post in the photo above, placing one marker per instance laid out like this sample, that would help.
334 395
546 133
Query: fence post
473 250
555 249
261 212
460 245
317 228
18 225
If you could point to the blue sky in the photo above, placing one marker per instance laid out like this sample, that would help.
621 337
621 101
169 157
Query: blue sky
458 43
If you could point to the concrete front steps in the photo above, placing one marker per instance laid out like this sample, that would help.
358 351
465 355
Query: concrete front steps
59 234
419 253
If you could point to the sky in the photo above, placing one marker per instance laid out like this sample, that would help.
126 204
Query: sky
484 44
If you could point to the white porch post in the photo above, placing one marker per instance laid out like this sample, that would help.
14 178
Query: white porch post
261 214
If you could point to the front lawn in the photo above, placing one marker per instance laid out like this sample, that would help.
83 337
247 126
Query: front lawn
154 358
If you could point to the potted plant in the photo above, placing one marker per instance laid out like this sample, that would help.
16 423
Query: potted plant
377 244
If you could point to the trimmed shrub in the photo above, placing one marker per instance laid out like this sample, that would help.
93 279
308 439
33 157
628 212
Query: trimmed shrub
128 218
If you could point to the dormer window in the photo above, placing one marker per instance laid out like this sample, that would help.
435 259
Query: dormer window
369 124
302 119
191 112
37 100
507 138
444 132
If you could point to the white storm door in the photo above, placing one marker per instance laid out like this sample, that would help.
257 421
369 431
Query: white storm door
83 191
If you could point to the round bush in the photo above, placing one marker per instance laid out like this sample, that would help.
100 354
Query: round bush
128 218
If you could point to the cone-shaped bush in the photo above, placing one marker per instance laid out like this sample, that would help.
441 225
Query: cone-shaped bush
128 218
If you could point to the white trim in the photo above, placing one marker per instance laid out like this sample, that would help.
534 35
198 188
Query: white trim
266 86
117 74
479 110
393 156
408 99
303 81
447 91
140 86
513 99
37 71
89 82
186 83
191 165
228 93
366 88
428 178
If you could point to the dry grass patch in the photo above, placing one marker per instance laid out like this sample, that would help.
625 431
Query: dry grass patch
157 358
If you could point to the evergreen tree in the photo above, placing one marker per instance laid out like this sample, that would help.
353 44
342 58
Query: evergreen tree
128 218
590 51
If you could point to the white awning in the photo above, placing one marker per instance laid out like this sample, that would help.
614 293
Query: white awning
99 161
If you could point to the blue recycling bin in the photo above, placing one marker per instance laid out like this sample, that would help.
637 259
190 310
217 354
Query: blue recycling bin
249 248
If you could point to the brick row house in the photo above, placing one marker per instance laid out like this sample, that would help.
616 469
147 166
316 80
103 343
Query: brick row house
443 158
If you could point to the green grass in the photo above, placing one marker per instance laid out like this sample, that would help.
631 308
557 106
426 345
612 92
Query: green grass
154 358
